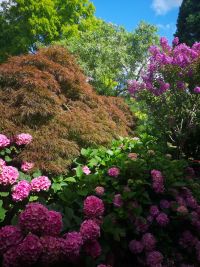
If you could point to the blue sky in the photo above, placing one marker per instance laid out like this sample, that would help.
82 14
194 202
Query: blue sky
162 13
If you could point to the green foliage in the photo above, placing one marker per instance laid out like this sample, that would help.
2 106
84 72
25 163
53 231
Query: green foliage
188 22
25 23
109 55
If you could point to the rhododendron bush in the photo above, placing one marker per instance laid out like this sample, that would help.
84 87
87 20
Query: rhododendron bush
152 203
17 184
170 87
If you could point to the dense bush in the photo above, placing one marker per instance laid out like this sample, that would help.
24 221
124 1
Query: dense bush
170 88
47 95
151 203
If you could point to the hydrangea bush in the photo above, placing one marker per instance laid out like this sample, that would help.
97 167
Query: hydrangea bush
17 184
151 203
38 238
170 88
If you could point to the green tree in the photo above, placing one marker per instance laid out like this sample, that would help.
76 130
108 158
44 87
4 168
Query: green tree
110 55
23 23
188 23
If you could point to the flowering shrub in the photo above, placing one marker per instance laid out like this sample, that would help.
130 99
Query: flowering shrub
170 88
17 185
151 214
37 239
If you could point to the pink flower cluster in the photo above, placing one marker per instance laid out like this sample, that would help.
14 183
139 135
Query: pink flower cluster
23 139
93 207
27 166
158 181
4 141
114 172
40 183
37 239
8 175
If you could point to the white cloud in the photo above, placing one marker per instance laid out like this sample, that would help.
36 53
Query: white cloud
161 7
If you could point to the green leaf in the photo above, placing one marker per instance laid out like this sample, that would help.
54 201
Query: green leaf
4 194
79 171
37 173
70 179
2 211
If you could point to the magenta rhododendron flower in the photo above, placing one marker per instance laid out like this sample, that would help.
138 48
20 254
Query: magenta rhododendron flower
89 230
114 172
9 236
4 141
21 190
93 207
117 200
53 225
92 248
136 247
23 139
8 175
40 183
86 170
99 190
27 166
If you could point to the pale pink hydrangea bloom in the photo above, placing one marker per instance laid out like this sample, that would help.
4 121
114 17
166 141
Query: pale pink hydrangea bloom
27 166
4 141
8 175
86 170
23 139
2 163
21 190
99 190
40 183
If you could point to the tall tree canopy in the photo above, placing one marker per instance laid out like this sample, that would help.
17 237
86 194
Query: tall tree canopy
23 23
110 55
188 23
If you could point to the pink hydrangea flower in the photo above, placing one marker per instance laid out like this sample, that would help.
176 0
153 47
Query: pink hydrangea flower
86 170
89 230
136 247
99 190
4 141
158 181
53 225
132 156
154 210
8 175
114 172
93 248
9 236
149 241
154 258
27 166
41 183
53 250
21 190
23 139
117 200
182 210
11 258
33 219
93 207
73 243
29 250
162 219
2 163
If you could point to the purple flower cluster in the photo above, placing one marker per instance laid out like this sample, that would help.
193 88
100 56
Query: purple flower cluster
158 181
114 172
93 207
